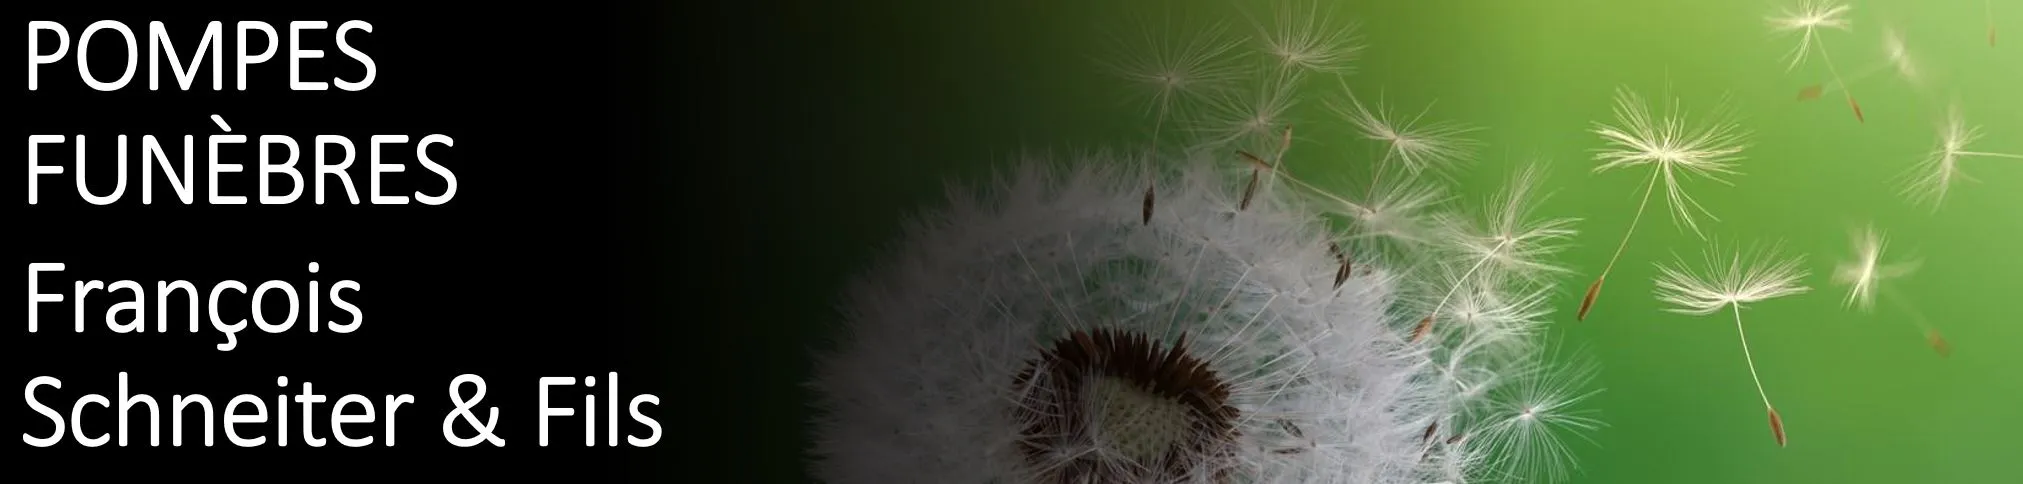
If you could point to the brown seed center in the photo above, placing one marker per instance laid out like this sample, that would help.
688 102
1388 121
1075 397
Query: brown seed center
1114 406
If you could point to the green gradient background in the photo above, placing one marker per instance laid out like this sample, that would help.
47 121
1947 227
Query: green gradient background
906 93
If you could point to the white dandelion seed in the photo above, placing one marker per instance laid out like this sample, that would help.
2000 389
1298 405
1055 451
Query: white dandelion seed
1505 239
1303 35
1494 312
1037 332
1529 420
1417 144
1865 274
1174 64
1809 18
1899 55
1731 280
1457 459
1933 177
1397 210
1674 148
1252 117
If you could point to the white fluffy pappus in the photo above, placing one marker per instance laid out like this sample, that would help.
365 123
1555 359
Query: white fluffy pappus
1042 329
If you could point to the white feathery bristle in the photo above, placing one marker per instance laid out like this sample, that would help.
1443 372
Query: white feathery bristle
921 388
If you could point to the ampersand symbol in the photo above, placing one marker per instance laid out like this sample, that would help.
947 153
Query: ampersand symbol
463 410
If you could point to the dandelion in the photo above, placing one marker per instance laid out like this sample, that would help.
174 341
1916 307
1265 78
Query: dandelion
1310 39
1038 332
1933 177
1808 19
1865 274
1730 281
1415 143
1674 149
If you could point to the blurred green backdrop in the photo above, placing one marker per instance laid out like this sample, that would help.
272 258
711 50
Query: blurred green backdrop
896 96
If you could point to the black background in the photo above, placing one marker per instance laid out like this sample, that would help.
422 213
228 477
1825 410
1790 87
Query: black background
675 191
556 257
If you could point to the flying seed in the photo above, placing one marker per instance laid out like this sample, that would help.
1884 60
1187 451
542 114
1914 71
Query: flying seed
1425 326
1148 204
1777 426
1811 92
1939 343
1588 302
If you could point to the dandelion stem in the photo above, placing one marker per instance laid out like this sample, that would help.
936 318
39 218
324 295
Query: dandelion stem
1323 193
1595 289
1278 159
1917 317
1858 76
1747 357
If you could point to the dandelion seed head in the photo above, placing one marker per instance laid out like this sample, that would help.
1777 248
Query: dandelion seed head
1740 277
961 360
1673 147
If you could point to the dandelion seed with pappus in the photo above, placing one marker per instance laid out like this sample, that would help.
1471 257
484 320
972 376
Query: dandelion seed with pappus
1933 177
1674 148
1728 280
1865 274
